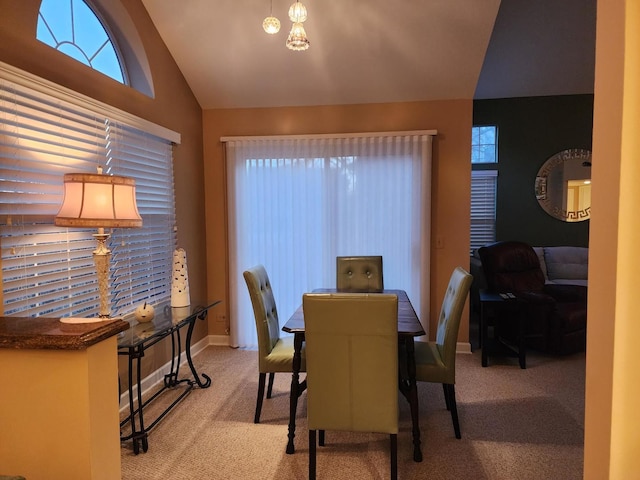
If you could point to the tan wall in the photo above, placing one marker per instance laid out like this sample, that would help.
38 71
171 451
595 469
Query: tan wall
75 437
451 175
612 418
174 107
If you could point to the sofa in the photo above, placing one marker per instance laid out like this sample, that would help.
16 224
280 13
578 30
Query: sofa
552 281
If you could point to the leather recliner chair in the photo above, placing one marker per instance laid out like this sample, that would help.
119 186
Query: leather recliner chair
556 315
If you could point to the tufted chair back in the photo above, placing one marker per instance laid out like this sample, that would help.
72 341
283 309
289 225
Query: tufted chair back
359 274
264 310
275 354
449 320
511 266
436 361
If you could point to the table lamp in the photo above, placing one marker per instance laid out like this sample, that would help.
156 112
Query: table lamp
101 201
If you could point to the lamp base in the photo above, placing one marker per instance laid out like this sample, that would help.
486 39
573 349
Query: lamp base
101 258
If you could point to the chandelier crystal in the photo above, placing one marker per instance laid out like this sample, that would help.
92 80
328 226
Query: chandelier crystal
271 25
297 12
297 39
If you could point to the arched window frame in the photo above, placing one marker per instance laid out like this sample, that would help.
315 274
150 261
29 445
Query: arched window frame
127 43
115 42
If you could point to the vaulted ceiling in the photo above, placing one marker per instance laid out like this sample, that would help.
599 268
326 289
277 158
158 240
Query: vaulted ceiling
375 51
540 47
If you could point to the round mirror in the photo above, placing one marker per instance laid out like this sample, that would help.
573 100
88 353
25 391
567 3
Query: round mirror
563 185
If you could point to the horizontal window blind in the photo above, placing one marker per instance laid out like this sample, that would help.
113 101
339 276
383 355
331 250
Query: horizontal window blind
483 207
48 270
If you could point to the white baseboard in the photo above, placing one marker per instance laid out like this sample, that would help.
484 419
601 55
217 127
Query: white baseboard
463 347
219 340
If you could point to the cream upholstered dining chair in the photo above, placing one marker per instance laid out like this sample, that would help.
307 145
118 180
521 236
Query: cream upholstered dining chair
436 361
275 354
352 366
359 274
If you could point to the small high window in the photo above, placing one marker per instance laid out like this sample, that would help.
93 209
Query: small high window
484 184
73 28
483 144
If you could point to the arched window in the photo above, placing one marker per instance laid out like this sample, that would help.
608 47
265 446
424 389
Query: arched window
73 28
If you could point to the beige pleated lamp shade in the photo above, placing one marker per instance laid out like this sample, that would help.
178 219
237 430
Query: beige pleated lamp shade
97 200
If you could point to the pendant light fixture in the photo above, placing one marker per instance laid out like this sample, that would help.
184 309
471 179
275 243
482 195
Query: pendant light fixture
271 24
297 12
297 39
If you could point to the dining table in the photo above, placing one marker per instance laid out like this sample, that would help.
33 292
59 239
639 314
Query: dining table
409 326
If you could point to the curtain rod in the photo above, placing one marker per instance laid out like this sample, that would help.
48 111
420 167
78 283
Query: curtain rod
330 135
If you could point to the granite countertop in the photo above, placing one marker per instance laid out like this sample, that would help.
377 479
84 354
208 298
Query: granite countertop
51 334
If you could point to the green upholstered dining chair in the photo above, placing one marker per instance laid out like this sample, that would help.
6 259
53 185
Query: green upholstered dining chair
359 274
436 361
275 354
352 366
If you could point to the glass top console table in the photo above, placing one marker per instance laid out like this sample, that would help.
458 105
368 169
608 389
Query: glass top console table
168 322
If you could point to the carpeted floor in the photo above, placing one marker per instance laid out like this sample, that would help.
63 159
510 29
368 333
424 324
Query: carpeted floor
516 424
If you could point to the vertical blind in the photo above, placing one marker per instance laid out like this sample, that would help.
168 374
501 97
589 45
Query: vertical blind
483 207
295 203
48 270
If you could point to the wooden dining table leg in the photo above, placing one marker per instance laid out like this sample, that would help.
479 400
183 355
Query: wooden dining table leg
296 389
412 396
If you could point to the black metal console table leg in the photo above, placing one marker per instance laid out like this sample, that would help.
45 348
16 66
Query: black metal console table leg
132 418
171 378
207 381
138 435
142 434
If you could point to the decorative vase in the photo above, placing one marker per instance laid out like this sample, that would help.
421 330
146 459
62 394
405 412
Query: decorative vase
180 280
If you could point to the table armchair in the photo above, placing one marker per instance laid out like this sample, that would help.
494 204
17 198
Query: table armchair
436 360
275 354
352 367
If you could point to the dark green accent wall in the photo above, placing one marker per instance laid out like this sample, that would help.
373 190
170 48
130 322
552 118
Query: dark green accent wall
530 130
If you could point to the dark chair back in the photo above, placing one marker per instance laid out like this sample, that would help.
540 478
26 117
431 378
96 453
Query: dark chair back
511 266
